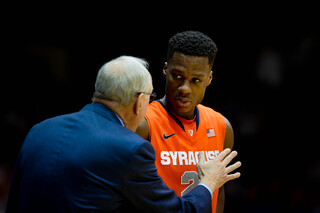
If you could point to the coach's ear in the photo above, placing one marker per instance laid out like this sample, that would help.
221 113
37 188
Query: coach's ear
164 70
138 103
209 78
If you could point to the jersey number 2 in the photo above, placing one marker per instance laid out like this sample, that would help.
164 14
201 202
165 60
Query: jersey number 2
186 178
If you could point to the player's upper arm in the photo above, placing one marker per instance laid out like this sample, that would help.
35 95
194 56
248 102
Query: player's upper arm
229 137
143 129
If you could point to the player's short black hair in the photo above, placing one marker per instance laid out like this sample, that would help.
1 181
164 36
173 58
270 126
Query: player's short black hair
193 43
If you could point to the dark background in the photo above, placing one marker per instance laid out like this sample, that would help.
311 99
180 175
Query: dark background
264 82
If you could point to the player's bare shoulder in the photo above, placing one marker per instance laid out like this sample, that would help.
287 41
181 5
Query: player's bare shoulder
229 136
143 129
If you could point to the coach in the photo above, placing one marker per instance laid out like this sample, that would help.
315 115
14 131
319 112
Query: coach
92 161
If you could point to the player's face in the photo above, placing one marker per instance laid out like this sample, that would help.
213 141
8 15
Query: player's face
186 80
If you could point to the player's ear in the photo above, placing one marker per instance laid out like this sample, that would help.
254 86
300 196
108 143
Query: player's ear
209 78
164 70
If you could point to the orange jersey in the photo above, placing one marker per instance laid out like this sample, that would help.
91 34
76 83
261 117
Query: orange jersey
178 141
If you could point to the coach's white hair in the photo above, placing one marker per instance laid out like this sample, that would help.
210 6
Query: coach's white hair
122 78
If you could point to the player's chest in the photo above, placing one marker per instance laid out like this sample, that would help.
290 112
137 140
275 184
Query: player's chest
184 139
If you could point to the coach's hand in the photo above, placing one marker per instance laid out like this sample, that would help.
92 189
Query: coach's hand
215 173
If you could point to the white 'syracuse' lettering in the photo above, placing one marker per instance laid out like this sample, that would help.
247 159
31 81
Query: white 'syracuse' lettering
185 157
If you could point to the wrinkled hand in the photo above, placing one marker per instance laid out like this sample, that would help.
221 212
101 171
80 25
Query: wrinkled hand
216 172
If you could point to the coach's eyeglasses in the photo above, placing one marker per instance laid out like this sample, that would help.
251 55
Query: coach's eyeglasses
153 95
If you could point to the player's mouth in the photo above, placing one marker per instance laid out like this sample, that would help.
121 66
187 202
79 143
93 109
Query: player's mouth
183 102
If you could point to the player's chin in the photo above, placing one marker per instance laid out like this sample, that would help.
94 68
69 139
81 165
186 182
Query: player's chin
183 104
183 109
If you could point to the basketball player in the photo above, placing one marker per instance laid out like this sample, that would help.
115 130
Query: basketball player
178 125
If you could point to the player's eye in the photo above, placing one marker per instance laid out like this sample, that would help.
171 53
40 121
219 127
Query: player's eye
196 80
177 76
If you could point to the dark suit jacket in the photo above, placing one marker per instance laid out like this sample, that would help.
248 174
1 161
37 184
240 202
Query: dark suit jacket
88 162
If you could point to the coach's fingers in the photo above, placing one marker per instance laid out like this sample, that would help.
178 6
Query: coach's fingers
233 167
223 154
200 172
230 157
233 176
201 160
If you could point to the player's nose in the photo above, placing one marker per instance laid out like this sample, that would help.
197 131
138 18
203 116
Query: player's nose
184 87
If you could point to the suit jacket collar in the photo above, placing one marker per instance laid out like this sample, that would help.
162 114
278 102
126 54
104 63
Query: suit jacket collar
104 111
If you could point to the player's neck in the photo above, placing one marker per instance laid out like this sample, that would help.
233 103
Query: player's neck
185 116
